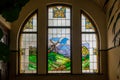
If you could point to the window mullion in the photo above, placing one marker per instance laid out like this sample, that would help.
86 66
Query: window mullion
76 59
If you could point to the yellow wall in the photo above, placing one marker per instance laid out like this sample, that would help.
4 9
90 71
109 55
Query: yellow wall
92 9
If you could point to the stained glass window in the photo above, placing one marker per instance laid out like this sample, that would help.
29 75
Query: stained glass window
59 41
87 26
59 16
28 46
89 47
31 25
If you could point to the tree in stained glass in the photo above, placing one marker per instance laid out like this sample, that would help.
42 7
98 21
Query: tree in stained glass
88 24
59 12
85 56
32 58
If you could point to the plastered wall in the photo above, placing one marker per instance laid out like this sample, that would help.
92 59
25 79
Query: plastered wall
95 13
113 27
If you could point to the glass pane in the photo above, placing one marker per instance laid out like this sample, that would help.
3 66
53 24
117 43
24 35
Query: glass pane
58 16
59 51
31 24
87 26
28 53
89 53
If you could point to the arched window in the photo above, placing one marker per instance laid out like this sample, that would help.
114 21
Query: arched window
28 46
89 45
59 39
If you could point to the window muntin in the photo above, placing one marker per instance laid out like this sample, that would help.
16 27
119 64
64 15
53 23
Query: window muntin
28 46
59 39
89 47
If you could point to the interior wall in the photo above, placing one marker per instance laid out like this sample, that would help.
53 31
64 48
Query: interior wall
93 10
113 27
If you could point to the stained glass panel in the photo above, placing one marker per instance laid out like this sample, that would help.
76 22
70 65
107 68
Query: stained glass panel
59 16
89 47
59 51
89 53
28 53
87 26
31 24
59 12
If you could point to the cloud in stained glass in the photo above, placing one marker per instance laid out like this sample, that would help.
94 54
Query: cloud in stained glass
87 45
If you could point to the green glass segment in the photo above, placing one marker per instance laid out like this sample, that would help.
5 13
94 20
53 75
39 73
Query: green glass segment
32 59
59 50
89 46
57 62
85 58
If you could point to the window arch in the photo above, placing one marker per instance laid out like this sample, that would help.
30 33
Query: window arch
59 40
28 46
90 45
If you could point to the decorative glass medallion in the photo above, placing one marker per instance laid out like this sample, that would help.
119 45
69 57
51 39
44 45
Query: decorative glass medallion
59 12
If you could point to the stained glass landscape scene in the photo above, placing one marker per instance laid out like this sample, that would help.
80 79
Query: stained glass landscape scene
89 47
59 51
28 46
28 54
